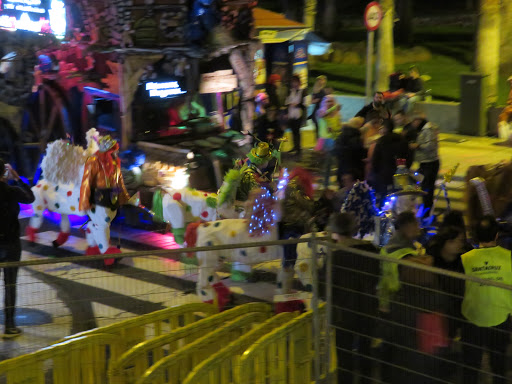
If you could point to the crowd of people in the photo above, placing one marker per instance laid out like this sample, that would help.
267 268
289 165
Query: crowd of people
367 146
417 314
434 327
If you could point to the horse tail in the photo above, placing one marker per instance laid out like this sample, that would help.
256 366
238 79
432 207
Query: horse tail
191 234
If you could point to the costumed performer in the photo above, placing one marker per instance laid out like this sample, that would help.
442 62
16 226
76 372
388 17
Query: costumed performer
101 193
297 219
243 178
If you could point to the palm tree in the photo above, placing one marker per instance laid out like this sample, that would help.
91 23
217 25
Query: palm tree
329 20
506 39
385 46
404 28
310 13
488 48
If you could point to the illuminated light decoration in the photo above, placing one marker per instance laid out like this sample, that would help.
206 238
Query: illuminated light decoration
23 23
283 182
263 217
34 16
73 219
57 13
163 90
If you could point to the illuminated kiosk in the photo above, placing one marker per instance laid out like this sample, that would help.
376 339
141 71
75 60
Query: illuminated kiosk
284 48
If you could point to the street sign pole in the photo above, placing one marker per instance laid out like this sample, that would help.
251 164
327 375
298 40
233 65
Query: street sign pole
369 65
372 19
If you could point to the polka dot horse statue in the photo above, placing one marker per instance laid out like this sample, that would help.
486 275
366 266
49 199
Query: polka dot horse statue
59 191
59 188
231 231
180 207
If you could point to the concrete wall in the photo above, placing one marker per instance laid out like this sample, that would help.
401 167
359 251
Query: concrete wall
444 114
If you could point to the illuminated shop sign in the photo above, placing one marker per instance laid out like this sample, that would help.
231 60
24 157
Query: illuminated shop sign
41 16
165 89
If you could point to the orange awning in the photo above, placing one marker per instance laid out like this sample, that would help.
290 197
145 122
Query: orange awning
264 18
274 27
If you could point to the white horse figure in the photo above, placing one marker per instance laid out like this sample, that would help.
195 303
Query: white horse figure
228 231
59 191
180 207
232 231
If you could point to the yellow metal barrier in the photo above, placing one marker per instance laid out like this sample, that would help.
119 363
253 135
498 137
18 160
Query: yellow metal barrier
175 367
80 360
140 328
223 366
285 355
134 362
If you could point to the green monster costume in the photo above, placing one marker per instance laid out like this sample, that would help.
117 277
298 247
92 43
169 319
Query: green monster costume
246 176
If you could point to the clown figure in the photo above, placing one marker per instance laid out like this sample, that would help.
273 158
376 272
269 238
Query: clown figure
101 193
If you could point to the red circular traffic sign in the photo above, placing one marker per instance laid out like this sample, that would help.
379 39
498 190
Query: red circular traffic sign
372 16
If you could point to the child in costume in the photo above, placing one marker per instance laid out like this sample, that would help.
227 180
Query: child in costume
296 220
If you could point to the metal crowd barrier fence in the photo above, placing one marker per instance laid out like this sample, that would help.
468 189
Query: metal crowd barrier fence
136 330
417 335
61 296
176 367
79 360
286 355
224 365
134 362
420 336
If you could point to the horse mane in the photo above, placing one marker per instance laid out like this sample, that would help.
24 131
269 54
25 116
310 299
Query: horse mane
63 161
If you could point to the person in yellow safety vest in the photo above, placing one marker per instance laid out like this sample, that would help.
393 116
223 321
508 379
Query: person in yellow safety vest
402 300
486 308
402 245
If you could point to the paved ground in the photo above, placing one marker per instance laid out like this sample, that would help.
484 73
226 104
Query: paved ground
82 296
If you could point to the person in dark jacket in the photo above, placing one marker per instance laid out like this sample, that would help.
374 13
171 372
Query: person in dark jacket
414 91
10 245
390 147
273 89
376 106
409 133
267 127
354 281
350 151
446 247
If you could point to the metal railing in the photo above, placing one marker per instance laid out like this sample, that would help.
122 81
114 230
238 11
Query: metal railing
420 337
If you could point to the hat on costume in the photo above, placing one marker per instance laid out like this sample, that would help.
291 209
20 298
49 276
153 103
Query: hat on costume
106 143
260 153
